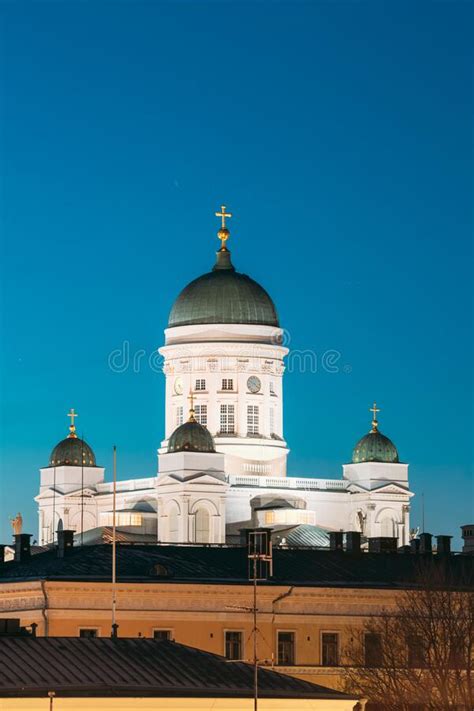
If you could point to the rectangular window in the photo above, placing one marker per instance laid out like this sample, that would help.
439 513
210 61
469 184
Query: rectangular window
227 384
330 649
272 388
200 412
88 633
233 645
179 415
200 384
286 648
272 420
373 650
162 634
252 419
416 653
227 419
121 519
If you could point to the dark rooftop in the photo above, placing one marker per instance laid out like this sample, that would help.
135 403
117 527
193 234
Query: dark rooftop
223 564
130 667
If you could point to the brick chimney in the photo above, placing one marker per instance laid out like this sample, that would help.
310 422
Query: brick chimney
467 532
443 544
425 543
336 540
22 546
65 542
353 542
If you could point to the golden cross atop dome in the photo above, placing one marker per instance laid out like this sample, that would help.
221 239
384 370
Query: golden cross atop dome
223 214
191 407
374 410
223 233
72 426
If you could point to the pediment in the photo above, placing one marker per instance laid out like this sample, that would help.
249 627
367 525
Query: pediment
392 488
77 493
356 489
49 493
198 478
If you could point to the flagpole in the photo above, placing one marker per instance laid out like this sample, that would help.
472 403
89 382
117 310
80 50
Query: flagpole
54 503
114 562
82 490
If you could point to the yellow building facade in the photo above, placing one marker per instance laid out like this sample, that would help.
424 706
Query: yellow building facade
302 631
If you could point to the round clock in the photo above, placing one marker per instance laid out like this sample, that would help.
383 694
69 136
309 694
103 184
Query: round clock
254 384
178 386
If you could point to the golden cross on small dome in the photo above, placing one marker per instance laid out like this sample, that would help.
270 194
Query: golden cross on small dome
191 407
223 233
223 214
72 427
374 410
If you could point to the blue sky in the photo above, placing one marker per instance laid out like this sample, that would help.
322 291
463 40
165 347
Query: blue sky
339 134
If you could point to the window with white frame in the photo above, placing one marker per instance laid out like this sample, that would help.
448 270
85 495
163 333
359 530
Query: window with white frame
233 645
272 420
252 419
162 634
227 384
329 649
179 415
272 388
286 648
227 419
88 632
200 413
200 384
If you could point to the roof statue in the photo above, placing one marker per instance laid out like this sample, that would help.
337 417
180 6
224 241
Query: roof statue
17 524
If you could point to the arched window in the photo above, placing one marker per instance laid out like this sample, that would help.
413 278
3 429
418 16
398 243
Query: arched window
173 525
202 526
387 527
160 570
360 521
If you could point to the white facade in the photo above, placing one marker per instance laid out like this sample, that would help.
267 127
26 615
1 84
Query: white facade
235 373
166 506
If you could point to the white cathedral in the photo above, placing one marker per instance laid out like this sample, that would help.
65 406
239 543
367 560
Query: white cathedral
222 467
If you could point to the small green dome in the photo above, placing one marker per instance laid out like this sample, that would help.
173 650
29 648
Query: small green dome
191 437
223 296
73 452
375 447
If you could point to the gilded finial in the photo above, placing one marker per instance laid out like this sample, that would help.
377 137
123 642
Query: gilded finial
375 424
191 417
223 233
72 426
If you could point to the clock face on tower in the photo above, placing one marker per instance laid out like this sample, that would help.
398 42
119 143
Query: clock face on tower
253 384
178 386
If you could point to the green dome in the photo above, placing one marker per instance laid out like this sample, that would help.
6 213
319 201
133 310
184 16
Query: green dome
191 437
223 296
375 447
73 452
